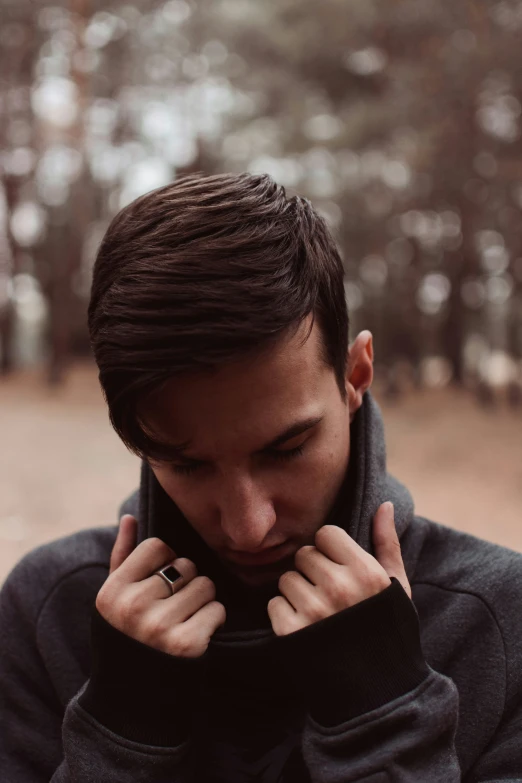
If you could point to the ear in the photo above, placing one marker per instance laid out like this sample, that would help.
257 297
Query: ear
359 370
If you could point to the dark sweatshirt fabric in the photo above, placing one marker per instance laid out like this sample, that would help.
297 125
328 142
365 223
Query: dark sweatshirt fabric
390 690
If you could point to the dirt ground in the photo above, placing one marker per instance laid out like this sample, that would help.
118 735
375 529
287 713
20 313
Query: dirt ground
62 468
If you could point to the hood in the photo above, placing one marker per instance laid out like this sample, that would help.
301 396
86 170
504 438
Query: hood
366 486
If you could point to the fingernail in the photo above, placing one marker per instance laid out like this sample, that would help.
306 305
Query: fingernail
389 507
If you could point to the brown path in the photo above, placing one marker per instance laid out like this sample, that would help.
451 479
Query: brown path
62 468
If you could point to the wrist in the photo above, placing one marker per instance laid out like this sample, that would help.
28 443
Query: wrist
138 692
359 659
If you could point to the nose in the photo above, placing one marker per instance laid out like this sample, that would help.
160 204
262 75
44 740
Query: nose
247 513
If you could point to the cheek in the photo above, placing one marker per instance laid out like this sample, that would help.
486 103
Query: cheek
191 502
306 493
330 459
326 474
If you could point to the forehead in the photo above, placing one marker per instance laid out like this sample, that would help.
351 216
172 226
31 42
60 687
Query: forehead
247 398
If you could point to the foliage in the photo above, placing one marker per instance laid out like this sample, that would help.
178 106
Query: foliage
400 119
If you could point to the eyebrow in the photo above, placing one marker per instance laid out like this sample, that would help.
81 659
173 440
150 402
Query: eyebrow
295 429
292 432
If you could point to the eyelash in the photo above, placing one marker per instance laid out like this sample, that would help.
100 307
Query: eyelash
188 470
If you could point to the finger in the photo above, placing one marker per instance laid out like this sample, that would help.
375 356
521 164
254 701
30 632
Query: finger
301 595
125 541
154 587
148 557
314 565
205 621
335 543
387 545
283 616
181 606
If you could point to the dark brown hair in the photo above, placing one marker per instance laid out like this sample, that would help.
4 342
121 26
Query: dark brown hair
202 272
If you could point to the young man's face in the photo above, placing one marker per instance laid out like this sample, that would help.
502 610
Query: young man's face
256 500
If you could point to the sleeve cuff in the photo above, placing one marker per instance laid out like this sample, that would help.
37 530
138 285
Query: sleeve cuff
359 659
138 692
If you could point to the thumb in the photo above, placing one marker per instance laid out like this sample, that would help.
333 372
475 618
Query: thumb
387 546
125 541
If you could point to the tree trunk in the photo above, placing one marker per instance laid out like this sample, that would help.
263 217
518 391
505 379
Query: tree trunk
6 339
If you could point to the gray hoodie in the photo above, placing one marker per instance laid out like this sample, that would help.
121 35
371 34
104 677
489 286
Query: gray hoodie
389 690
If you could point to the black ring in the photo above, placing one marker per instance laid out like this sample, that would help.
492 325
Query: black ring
170 575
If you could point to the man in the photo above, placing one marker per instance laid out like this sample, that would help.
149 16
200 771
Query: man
270 608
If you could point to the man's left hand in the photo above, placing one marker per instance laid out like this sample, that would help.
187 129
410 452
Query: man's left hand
337 573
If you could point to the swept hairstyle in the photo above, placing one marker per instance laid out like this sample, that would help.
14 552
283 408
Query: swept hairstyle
202 272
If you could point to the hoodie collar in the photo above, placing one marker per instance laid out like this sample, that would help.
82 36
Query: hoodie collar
366 486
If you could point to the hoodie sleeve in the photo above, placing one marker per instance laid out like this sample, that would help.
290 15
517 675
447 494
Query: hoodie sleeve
57 726
377 712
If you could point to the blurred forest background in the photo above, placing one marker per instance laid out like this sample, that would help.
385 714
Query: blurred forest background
399 119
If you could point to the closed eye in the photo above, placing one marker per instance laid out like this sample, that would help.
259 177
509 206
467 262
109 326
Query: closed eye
189 468
287 453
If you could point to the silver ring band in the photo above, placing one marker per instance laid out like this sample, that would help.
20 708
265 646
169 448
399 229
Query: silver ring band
170 576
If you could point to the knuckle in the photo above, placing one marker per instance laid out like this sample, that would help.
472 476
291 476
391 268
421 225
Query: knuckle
107 600
324 533
288 579
366 568
153 629
219 611
316 611
338 591
304 554
376 578
186 567
182 643
129 608
205 587
379 582
102 601
273 603
155 547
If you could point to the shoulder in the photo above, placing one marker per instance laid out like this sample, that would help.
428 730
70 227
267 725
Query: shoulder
45 609
82 558
462 562
468 594
470 586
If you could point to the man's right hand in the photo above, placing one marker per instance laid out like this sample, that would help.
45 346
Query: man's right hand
139 604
